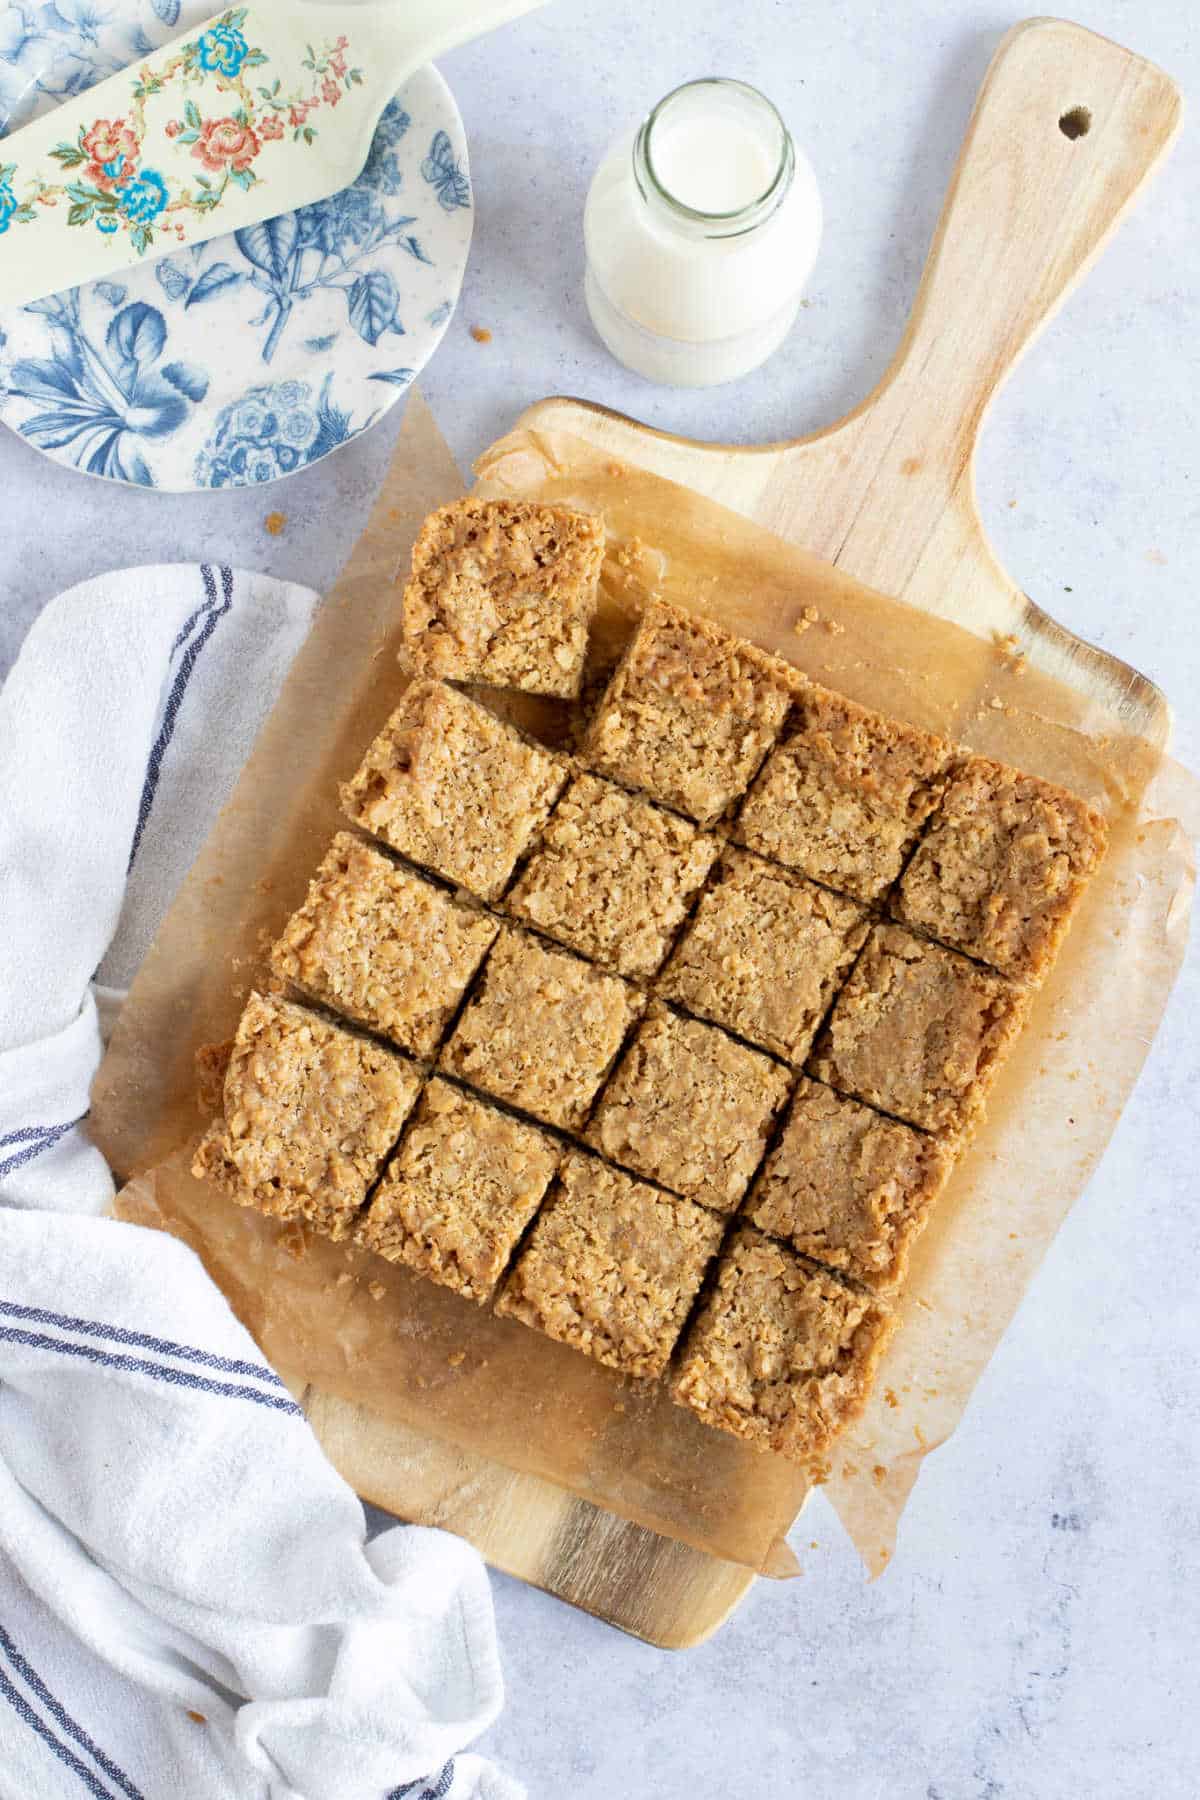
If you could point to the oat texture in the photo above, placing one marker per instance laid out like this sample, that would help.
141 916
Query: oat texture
502 592
781 1354
612 1267
310 1112
450 786
460 1190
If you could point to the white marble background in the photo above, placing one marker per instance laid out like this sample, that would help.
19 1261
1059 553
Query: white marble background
1036 1633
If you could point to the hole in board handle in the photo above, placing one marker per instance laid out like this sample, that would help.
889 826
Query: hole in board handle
1076 122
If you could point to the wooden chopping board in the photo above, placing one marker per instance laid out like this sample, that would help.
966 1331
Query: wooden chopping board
887 496
1066 129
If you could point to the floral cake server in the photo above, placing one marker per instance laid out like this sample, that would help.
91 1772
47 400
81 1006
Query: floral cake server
261 109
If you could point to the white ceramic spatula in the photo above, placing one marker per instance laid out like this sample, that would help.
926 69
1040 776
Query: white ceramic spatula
264 108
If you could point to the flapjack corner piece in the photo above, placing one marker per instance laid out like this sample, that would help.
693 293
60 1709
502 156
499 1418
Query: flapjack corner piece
310 1113
689 713
844 794
689 1107
612 1266
1002 868
919 1032
780 1354
383 946
460 1190
453 788
848 1187
541 1030
502 592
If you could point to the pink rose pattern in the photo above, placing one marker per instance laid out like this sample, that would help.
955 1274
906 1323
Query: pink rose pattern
226 144
112 152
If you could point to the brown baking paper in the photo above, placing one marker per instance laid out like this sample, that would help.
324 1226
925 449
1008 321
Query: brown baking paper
416 1355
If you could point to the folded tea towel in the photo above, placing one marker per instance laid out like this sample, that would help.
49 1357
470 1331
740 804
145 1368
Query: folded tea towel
189 1606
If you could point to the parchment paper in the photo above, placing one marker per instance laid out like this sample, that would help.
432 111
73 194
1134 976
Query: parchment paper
411 1352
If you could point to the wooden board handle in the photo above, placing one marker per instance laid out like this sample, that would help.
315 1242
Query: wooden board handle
1066 129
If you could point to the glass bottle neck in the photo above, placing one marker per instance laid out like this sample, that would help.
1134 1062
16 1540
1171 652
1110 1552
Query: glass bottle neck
713 160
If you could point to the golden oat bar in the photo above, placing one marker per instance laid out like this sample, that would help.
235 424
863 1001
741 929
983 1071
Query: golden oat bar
502 592
541 1030
612 1267
689 713
310 1113
764 953
460 1190
1002 868
690 1108
383 946
781 1354
848 1187
452 788
920 1032
844 794
613 876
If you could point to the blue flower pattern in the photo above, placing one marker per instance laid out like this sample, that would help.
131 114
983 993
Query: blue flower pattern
271 431
335 244
222 51
98 401
110 389
143 198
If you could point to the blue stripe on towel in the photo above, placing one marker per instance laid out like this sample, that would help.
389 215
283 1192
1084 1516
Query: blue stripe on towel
408 1789
118 1334
212 612
36 1723
137 1365
36 1139
73 1729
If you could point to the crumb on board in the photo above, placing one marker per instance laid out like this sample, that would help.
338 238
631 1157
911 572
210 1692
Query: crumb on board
879 1474
889 1395
376 1290
294 1240
616 470
1009 650
618 1406
481 334
833 628
456 1358
344 1279
274 523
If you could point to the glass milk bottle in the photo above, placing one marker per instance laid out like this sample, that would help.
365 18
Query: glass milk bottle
701 229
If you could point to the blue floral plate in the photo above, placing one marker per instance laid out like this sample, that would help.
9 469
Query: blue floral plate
246 358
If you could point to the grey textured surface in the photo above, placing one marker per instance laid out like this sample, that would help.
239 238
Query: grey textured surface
1034 1636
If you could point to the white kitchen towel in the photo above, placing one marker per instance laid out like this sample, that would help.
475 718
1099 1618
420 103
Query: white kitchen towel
189 1606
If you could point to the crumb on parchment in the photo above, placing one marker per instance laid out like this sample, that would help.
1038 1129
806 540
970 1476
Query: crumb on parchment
274 523
481 334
